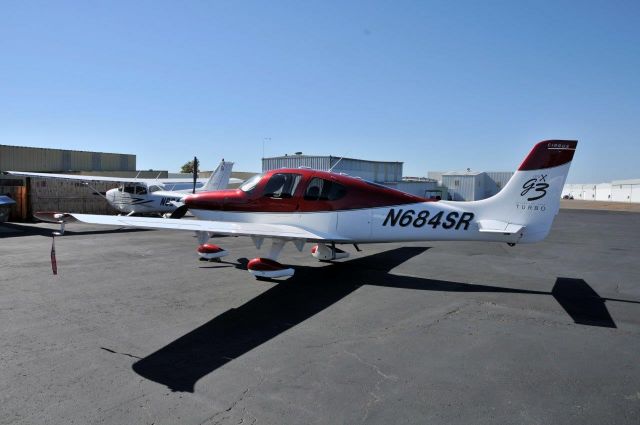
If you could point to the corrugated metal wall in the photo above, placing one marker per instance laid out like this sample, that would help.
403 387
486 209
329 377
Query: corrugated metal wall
495 181
469 187
589 192
296 161
376 171
414 187
625 192
603 192
20 158
620 193
68 196
484 185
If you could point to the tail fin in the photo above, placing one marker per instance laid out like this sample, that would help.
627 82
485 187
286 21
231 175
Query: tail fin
531 198
219 179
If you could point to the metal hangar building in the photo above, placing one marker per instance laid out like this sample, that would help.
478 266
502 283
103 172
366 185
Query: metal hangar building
34 194
388 173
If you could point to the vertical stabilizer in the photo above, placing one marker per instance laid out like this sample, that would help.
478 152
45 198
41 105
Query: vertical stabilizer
531 198
219 178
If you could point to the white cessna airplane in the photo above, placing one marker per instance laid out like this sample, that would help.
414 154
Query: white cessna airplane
303 205
147 196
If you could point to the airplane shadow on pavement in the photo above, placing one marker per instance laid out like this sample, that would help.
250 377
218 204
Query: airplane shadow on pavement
180 364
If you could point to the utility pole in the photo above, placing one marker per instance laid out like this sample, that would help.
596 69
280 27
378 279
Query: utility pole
264 139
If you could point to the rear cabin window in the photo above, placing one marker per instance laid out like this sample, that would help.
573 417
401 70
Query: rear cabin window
324 190
282 185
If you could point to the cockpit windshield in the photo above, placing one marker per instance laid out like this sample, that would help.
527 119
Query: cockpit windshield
133 188
250 183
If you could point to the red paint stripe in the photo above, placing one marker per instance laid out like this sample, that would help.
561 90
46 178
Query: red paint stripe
548 154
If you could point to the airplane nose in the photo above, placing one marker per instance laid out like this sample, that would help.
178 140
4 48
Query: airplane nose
207 200
189 200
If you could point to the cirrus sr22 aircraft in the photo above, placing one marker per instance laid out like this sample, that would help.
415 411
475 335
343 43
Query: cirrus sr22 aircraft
328 209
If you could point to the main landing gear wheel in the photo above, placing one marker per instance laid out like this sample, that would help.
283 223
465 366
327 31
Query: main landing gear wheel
328 253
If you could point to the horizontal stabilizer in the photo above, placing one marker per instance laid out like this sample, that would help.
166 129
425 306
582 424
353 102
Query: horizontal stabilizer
497 226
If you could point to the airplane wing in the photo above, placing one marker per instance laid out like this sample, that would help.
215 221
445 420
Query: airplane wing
280 231
88 178
78 177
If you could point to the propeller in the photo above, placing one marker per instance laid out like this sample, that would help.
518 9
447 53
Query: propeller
179 212
195 173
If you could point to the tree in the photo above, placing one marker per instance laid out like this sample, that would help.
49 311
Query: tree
188 167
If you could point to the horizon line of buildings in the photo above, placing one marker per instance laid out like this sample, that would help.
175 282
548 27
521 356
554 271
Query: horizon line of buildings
616 191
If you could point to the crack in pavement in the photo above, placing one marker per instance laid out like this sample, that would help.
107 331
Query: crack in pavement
122 354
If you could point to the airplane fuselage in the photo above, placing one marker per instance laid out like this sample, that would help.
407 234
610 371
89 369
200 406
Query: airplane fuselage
140 200
361 212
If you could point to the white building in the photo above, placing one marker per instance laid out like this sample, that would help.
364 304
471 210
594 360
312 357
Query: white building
616 191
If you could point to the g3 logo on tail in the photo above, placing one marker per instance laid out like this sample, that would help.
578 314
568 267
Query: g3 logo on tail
537 184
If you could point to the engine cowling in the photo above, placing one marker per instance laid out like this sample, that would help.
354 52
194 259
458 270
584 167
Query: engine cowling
327 253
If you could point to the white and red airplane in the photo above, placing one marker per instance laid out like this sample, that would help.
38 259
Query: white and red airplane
328 209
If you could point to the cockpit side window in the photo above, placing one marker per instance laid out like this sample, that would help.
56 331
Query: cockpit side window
141 190
154 188
282 185
129 188
324 190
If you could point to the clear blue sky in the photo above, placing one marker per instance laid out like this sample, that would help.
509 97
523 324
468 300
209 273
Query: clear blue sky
439 85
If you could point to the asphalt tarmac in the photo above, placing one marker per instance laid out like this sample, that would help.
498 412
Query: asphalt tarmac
135 330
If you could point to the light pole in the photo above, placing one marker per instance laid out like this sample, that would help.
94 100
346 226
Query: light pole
264 139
